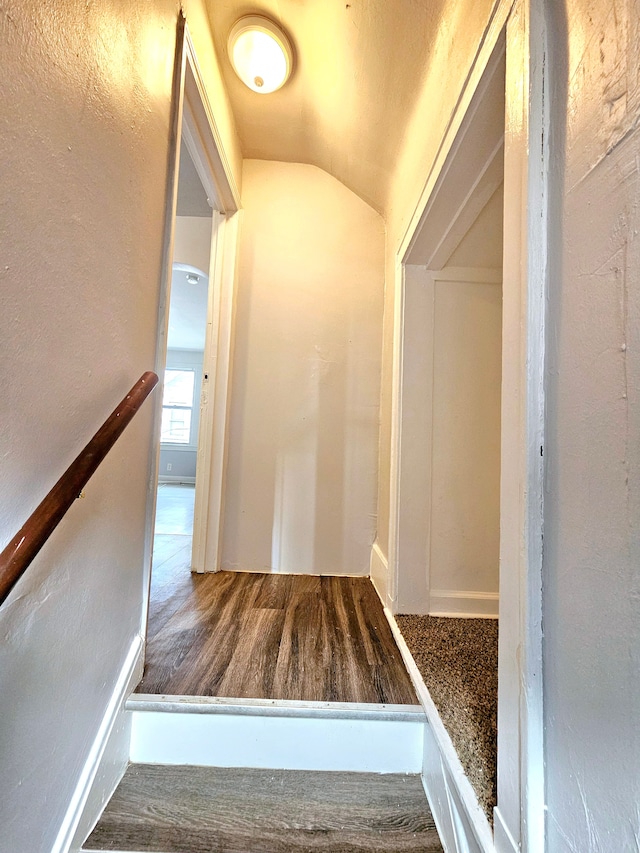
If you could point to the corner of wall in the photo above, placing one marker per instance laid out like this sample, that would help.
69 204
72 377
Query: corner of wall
379 572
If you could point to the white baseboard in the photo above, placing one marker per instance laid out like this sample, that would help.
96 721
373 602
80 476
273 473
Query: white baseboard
461 822
465 604
379 572
270 570
284 736
106 760
502 837
176 478
436 789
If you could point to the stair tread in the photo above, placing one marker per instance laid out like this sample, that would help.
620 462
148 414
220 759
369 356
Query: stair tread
178 809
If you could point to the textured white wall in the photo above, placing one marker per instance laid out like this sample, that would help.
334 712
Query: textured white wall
301 475
592 510
84 136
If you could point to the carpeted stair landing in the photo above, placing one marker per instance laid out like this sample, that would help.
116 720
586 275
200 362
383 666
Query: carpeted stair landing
458 660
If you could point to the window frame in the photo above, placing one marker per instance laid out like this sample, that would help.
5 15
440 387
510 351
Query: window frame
196 370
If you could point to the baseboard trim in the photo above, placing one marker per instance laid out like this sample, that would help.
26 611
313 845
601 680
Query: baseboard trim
463 605
86 805
176 478
379 572
450 775
266 570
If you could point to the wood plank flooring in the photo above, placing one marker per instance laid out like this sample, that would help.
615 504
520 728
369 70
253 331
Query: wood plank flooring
270 636
200 810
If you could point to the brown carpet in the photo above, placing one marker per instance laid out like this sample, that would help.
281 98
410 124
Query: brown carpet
458 660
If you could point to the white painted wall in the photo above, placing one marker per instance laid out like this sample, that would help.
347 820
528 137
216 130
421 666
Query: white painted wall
192 241
465 497
301 475
449 472
83 130
592 511
482 244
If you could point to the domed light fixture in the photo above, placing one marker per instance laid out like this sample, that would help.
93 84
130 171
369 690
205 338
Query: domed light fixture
260 53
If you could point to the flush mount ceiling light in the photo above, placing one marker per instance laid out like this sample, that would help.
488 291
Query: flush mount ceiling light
260 53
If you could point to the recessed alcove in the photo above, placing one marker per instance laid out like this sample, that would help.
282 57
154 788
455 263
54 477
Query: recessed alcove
447 538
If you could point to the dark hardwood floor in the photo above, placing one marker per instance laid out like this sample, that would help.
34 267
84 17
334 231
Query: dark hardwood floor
202 809
270 636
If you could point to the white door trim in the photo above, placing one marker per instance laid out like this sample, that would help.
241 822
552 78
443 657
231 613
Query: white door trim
171 202
410 534
525 276
520 812
214 407
193 120
202 137
208 481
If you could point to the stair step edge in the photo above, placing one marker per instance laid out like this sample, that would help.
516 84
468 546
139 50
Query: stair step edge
141 702
113 850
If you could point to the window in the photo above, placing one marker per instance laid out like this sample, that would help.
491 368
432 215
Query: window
177 405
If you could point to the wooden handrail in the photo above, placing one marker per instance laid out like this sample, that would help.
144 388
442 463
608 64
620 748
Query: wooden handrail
24 546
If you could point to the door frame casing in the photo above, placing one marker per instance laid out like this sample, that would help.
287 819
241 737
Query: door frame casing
204 143
215 399
519 816
192 118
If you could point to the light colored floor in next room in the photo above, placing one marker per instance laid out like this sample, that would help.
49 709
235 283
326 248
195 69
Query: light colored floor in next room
173 536
174 509
171 579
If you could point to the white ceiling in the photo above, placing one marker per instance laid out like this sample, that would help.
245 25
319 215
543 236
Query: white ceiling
357 72
187 308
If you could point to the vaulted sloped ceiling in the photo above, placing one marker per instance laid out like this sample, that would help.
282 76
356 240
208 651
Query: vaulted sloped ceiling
357 74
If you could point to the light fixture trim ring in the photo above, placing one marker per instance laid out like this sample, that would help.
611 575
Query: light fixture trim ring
260 23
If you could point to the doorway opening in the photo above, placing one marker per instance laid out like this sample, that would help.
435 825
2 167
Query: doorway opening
289 638
468 432
182 379
448 571
194 338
